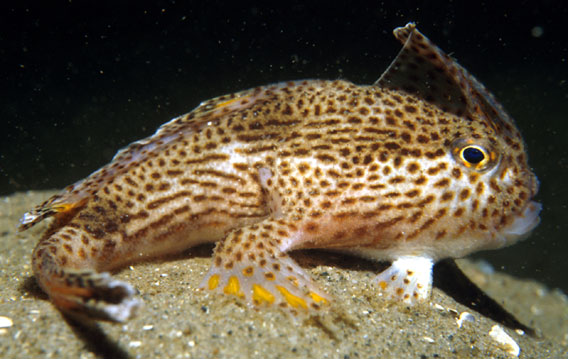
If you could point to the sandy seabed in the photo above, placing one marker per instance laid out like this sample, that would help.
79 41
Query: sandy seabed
178 321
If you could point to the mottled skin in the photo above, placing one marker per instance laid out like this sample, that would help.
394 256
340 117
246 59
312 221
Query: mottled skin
421 166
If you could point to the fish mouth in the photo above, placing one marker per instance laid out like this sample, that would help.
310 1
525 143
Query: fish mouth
525 221
529 218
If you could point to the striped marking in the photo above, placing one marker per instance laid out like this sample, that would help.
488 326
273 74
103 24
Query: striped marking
186 222
219 174
228 102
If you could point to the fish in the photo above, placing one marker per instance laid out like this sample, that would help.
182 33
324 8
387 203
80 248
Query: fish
420 166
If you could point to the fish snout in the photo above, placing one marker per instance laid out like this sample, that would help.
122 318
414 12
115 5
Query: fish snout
534 184
528 216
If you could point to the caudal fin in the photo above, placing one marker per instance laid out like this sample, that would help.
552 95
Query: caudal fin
82 292
92 295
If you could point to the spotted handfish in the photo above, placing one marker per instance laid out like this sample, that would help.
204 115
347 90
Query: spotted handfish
420 166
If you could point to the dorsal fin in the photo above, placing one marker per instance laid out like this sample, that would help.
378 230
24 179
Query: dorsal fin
422 69
76 195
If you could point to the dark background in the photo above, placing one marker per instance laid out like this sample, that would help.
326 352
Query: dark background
81 79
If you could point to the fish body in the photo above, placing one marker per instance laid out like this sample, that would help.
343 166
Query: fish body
420 166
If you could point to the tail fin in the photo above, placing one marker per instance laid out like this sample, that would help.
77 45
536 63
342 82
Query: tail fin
82 293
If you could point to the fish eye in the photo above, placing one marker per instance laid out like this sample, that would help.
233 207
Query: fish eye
473 154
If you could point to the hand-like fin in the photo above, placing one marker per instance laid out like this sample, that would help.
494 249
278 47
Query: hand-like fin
408 279
250 264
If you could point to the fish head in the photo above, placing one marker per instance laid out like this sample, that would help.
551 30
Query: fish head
487 199
497 184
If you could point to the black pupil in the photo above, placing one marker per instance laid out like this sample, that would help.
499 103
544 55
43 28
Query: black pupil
473 155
